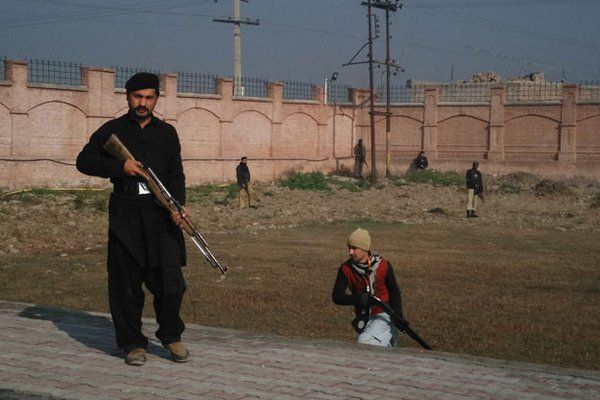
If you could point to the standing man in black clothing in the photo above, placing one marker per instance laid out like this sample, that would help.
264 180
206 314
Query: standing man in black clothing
242 173
474 188
145 242
365 273
360 156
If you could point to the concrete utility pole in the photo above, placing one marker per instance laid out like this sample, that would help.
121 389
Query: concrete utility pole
237 44
371 94
387 5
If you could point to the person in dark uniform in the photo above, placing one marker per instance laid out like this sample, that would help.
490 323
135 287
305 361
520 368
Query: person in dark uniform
242 173
421 161
360 156
145 242
474 189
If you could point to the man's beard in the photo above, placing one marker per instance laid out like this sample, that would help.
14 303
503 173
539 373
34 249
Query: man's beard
135 113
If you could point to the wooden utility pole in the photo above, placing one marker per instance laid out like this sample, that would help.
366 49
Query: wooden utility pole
237 44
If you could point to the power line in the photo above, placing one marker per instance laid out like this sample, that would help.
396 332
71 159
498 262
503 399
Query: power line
507 27
114 10
512 3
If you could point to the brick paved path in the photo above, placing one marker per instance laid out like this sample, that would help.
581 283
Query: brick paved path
71 355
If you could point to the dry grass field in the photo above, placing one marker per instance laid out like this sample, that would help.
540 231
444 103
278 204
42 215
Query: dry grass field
520 283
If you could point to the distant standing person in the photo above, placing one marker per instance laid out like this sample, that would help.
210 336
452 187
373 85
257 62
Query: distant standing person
243 180
421 161
364 273
360 154
474 188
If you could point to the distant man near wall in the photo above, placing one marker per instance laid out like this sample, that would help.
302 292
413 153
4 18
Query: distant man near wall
360 154
474 189
242 173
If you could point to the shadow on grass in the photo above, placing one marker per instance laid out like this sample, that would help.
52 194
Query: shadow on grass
93 331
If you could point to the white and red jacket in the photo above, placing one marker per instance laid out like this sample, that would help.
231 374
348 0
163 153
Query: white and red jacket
382 280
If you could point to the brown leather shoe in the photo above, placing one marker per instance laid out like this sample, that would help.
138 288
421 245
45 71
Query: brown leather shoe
178 351
136 357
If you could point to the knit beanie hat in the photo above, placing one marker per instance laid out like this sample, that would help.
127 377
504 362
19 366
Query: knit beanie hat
360 238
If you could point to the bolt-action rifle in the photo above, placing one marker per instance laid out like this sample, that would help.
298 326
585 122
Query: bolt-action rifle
116 148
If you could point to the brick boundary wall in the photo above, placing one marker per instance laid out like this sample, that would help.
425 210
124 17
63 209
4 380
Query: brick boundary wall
43 127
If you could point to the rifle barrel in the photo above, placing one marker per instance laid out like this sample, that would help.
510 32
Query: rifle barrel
401 324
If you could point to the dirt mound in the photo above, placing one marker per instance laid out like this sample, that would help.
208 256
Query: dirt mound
550 188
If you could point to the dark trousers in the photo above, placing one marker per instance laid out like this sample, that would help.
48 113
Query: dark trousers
126 298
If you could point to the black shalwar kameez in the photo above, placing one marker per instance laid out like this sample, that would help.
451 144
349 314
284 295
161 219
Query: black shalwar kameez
144 245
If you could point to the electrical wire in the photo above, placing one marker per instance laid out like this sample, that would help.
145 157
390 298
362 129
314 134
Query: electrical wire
108 11
499 25
512 3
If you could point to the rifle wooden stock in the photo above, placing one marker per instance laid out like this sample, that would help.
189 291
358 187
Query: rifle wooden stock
115 147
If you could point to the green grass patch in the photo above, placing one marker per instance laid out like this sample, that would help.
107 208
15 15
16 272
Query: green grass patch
438 178
306 181
509 188
94 199
232 191
357 186
595 201
197 193
351 186
32 196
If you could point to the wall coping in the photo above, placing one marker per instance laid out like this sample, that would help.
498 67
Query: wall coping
199 95
533 103
100 69
459 104
57 87
257 99
292 101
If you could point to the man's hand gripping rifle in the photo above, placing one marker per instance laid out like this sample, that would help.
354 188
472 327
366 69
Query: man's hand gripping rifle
116 148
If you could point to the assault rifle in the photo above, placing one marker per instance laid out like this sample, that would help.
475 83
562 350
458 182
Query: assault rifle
400 323
116 148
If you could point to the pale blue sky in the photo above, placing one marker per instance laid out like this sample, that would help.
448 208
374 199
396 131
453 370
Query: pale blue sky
306 40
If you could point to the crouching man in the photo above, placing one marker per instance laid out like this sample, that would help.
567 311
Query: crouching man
359 278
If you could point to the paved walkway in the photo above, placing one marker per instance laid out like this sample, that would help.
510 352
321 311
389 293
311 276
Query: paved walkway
66 354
